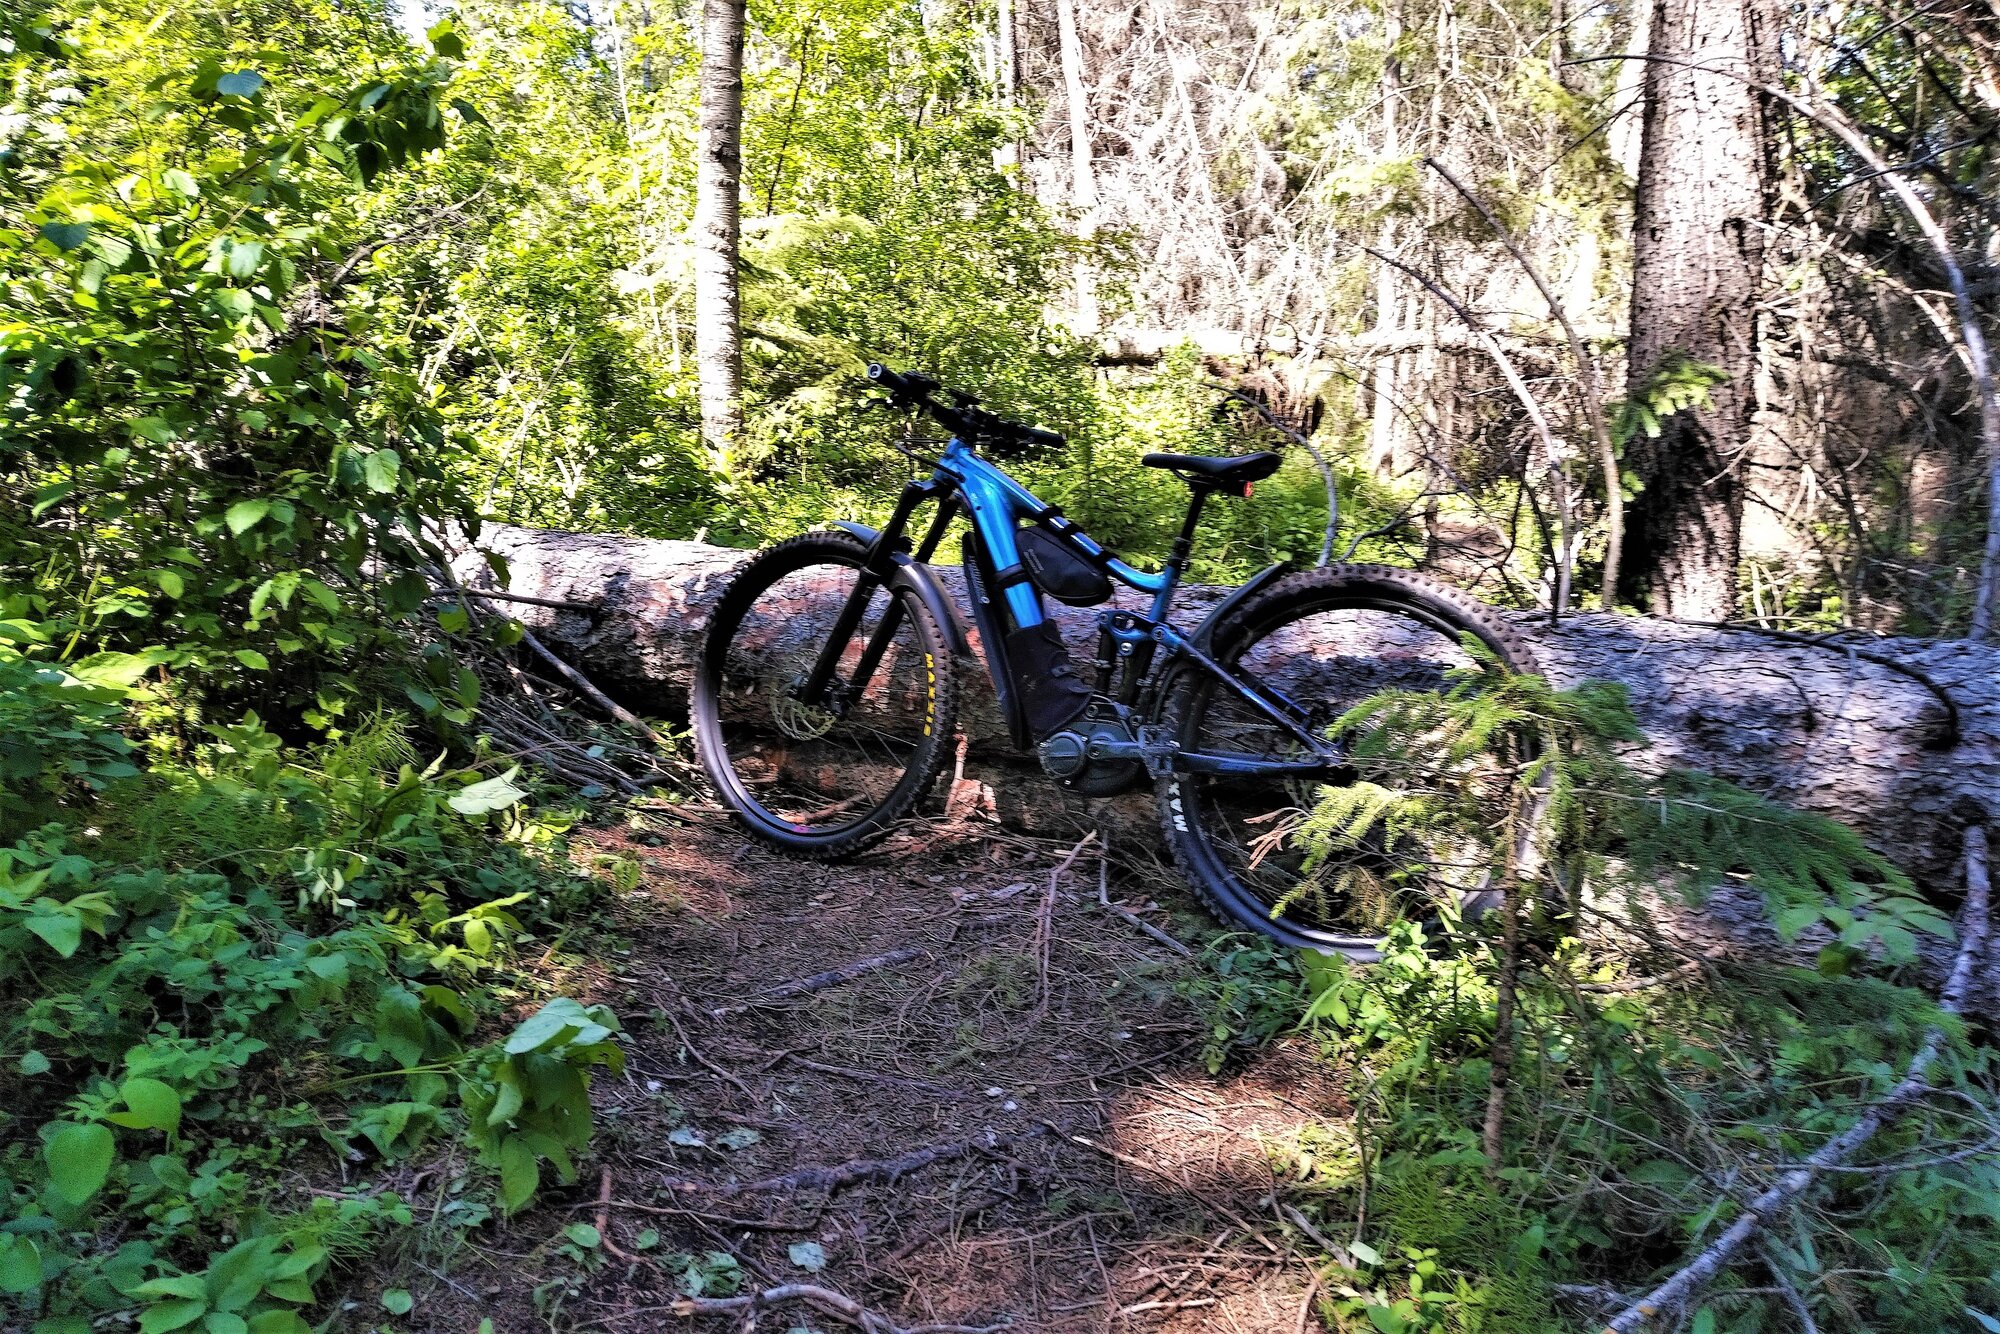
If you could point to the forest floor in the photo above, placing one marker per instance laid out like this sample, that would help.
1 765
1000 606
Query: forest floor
1019 1124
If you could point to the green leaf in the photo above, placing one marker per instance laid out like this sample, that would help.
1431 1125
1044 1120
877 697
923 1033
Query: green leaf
1704 1322
584 1235
170 582
33 1063
279 1322
452 620
176 1314
66 235
397 1301
62 931
1387 1320
224 1322
494 794
20 1264
244 257
807 1255
246 514
1661 1172
239 83
79 1159
252 659
444 40
156 1104
178 181
647 1239
520 1174
381 469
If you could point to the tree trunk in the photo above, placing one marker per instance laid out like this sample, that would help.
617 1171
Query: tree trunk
1698 253
1805 723
1007 72
1083 174
1386 428
717 223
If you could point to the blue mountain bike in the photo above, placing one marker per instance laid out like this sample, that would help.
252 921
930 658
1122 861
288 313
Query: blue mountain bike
825 700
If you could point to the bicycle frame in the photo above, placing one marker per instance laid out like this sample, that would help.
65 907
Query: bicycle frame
996 505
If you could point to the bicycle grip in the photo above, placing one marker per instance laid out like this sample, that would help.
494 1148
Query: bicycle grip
902 385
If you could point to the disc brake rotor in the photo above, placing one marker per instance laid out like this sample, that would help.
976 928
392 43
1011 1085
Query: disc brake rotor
795 718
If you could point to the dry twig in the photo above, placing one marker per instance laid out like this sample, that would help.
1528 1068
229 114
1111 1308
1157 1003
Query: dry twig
830 1179
824 1300
832 977
1127 915
1674 1293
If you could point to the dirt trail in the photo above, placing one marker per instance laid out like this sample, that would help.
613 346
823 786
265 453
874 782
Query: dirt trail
969 1041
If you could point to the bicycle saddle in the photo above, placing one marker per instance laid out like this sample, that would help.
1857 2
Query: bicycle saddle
1221 474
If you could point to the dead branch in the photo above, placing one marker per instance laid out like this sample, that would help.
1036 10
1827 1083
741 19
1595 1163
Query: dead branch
1045 929
824 1300
1501 1059
558 603
1975 922
832 977
1551 451
829 1180
603 1218
1126 915
1591 393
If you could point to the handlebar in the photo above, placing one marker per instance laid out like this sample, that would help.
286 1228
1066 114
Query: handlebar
963 416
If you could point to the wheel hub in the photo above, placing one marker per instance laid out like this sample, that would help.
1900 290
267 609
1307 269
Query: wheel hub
795 718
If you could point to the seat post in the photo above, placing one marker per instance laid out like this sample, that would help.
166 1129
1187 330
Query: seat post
1177 560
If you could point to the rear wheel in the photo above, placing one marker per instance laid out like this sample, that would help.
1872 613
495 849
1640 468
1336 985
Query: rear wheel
821 781
1327 639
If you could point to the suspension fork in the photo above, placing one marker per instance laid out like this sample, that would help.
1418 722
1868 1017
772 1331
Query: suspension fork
877 568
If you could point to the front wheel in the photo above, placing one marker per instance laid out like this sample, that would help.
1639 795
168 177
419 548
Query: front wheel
1326 639
821 779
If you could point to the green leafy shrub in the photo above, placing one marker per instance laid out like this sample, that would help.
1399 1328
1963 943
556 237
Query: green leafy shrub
1637 1108
210 967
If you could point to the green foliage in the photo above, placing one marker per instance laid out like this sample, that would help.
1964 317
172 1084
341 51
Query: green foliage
1637 1110
210 467
1678 384
1441 775
213 966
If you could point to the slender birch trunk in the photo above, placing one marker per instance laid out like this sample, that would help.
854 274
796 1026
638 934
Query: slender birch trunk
1083 174
717 226
1385 425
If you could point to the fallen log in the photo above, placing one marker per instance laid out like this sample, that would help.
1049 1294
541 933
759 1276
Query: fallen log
1829 726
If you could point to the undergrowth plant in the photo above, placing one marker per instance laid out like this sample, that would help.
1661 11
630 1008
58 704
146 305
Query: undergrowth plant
231 981
1640 1092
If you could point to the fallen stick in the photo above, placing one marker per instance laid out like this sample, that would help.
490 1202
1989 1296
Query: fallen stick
843 1175
1045 926
1675 1291
577 679
874 1077
604 1217
824 1300
832 977
1127 915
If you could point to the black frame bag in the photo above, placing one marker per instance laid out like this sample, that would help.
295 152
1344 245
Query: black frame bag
1059 571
